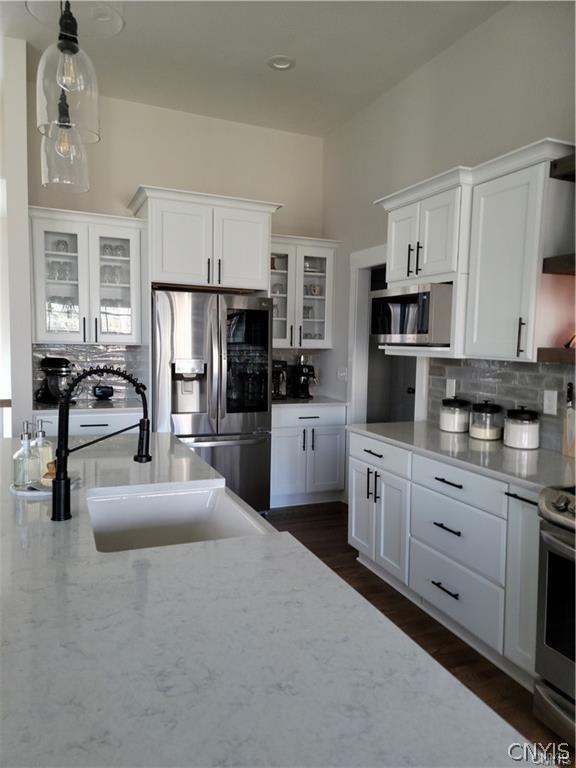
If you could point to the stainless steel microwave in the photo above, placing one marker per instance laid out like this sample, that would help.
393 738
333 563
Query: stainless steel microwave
418 315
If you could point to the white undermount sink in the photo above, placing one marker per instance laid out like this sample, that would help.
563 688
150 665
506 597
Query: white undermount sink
133 520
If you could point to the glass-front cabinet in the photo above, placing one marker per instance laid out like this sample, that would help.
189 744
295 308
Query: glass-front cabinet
86 278
301 286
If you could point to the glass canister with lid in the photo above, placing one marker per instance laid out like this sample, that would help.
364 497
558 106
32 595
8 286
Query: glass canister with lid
454 414
486 421
522 428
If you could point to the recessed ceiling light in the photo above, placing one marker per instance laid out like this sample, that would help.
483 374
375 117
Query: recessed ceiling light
281 63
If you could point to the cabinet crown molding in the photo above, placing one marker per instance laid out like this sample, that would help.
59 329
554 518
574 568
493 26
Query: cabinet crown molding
301 239
37 211
144 193
442 182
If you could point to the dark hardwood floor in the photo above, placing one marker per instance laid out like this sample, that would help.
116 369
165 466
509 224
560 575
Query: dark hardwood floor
322 528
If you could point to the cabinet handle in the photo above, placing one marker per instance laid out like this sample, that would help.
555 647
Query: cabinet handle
455 595
368 473
219 271
520 498
96 330
373 453
300 337
519 337
419 247
313 440
303 418
448 482
291 335
94 425
208 271
303 439
376 497
408 270
84 328
445 528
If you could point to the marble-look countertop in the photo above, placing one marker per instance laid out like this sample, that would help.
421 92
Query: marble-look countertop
316 400
238 652
529 469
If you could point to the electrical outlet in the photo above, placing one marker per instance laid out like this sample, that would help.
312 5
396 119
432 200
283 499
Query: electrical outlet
343 374
550 402
450 387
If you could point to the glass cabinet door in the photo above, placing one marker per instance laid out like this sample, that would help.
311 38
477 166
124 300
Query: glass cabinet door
282 292
115 284
61 280
314 300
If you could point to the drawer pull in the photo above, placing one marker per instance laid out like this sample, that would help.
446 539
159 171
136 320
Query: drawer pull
455 595
373 453
376 497
520 498
445 528
449 482
368 473
308 417
94 425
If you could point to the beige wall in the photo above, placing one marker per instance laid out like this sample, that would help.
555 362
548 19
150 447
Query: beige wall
507 83
142 144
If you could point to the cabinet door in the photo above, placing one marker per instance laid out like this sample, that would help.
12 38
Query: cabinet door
61 280
391 504
506 223
361 507
325 461
181 243
314 279
288 461
115 284
521 579
241 248
283 292
401 249
437 245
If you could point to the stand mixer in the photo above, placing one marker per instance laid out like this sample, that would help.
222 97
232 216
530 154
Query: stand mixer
303 374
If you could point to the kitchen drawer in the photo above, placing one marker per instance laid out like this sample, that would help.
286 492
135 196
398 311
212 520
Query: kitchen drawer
460 484
102 423
380 454
466 534
308 415
474 602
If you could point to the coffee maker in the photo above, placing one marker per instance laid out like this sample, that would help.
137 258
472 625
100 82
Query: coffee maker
279 379
57 374
302 374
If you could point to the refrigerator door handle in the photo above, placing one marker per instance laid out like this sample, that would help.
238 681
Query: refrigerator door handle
193 443
163 353
215 368
222 328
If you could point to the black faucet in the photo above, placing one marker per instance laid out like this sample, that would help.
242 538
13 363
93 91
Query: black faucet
61 483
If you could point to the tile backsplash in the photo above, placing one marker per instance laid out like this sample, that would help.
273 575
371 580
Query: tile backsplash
133 359
507 383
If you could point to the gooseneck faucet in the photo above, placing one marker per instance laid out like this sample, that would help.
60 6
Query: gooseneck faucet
61 483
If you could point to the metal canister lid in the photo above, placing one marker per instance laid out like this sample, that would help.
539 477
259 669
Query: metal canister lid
522 414
486 407
456 402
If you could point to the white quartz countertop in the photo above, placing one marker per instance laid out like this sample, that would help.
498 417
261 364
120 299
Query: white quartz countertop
315 401
238 652
529 469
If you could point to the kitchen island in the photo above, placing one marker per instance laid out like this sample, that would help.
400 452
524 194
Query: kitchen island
240 652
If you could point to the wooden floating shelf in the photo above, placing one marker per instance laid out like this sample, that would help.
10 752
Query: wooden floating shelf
559 265
557 355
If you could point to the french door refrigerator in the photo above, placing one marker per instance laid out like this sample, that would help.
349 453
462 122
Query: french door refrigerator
212 362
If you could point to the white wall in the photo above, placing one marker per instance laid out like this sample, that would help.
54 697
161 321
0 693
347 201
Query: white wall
143 144
507 83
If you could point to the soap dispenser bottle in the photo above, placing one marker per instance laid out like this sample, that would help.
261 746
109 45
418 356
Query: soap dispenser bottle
26 461
44 447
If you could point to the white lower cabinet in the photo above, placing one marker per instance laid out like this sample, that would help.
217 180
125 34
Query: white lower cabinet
325 459
95 422
521 578
288 460
378 514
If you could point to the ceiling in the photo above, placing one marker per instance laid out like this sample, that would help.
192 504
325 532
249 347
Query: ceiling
210 57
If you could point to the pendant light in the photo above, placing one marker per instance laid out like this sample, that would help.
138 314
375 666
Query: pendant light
62 153
65 67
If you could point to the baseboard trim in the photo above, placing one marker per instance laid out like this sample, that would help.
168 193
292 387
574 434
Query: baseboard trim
301 499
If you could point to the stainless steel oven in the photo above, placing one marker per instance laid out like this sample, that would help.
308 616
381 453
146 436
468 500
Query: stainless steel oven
554 692
418 315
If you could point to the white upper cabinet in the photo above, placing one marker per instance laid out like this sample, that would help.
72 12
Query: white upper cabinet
86 278
425 224
208 240
302 286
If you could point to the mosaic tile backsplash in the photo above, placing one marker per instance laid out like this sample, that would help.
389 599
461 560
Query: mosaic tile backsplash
133 359
509 384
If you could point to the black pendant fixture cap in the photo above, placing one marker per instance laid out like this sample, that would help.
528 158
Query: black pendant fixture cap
68 37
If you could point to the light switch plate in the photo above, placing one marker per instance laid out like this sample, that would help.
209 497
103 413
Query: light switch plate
550 402
343 374
450 387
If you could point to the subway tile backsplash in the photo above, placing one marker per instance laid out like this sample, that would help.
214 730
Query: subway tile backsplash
507 383
133 359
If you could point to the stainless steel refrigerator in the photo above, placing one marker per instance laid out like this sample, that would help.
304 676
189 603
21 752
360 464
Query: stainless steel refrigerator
212 363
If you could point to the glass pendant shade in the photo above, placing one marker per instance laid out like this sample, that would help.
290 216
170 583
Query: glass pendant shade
63 159
74 73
